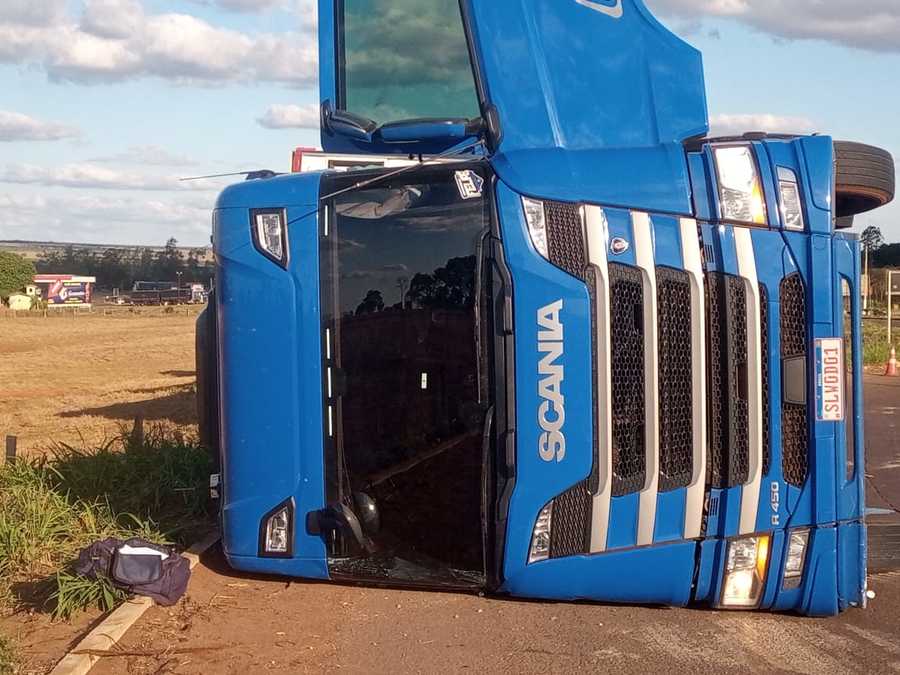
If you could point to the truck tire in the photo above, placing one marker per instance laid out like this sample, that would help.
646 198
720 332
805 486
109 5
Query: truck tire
864 178
208 382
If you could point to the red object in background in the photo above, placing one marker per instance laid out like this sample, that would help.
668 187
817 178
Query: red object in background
297 158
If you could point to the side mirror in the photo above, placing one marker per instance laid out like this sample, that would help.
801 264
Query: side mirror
339 518
347 124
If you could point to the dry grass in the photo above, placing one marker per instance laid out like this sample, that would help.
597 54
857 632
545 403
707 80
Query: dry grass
77 381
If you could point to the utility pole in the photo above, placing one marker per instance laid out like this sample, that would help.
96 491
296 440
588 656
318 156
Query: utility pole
866 287
402 284
890 305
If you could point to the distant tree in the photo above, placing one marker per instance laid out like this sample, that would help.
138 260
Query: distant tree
373 302
887 256
872 238
15 273
449 287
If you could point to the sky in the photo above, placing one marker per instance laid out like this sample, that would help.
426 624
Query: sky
105 104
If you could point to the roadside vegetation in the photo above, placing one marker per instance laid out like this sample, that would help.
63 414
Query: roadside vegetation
51 508
876 349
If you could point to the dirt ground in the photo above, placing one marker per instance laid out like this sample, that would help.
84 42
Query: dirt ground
79 380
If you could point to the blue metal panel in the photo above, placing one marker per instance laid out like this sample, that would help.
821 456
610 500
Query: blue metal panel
625 576
701 185
709 571
851 566
667 241
587 102
820 596
269 372
623 521
670 510
537 284
818 154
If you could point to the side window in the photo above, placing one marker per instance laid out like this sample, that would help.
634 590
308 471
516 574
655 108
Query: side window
394 64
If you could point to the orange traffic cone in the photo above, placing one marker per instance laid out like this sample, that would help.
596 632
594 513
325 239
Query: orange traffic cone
891 370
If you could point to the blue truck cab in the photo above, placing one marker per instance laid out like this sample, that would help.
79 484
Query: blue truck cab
568 346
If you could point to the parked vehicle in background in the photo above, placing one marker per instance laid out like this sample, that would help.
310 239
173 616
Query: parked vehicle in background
577 349
161 293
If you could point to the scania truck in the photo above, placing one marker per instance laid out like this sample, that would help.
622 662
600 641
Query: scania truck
525 328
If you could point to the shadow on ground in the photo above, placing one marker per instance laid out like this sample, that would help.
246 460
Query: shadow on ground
175 404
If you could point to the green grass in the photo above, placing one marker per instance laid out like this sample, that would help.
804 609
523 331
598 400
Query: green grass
876 349
52 508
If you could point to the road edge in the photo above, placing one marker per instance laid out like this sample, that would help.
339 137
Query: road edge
108 632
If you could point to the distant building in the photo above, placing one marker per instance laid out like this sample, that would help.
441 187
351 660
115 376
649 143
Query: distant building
19 302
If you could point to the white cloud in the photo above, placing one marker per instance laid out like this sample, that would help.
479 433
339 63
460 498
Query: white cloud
114 40
148 155
86 175
280 116
128 219
116 19
18 127
31 12
733 125
873 25
249 5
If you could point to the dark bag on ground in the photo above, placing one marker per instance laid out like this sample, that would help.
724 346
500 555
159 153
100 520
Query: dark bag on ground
137 566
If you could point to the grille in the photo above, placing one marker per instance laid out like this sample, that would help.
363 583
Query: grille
676 424
794 418
627 346
571 522
565 237
728 462
766 405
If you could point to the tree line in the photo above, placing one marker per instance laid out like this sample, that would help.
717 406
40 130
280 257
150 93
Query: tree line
121 267
881 254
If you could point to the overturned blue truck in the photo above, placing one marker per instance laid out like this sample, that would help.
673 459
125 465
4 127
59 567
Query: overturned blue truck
570 347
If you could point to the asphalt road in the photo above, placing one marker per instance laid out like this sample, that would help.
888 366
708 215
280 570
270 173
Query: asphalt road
237 624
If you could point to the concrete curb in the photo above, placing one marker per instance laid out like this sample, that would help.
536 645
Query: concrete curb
113 628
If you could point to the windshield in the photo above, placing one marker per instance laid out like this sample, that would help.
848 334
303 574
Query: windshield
399 282
405 59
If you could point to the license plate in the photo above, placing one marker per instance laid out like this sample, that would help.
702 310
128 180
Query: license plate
830 380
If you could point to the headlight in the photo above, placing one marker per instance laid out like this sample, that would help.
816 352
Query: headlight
745 572
277 534
796 557
537 224
791 206
540 537
270 233
740 190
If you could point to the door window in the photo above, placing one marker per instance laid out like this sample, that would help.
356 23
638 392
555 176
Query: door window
405 60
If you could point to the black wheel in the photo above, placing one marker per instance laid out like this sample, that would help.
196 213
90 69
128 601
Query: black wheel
864 178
